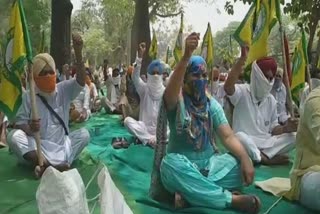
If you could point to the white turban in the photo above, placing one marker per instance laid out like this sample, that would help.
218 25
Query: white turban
40 61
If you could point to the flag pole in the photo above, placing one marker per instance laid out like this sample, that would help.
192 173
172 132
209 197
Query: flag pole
286 78
35 116
309 78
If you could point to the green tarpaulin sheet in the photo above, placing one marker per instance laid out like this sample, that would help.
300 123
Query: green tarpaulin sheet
130 170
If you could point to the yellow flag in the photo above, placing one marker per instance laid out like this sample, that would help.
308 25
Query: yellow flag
17 51
177 51
153 50
299 64
254 30
207 48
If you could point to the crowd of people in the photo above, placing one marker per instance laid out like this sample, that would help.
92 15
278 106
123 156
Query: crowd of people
202 107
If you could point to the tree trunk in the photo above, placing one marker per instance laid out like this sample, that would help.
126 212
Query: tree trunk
141 32
312 28
61 32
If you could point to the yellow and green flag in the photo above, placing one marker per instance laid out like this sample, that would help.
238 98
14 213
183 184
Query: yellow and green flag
177 51
299 64
207 48
254 30
17 51
42 43
153 50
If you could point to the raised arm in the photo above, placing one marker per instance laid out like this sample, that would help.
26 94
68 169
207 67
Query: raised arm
137 81
236 70
77 45
175 83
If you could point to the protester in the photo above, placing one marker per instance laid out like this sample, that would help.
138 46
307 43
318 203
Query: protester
305 174
80 107
59 147
94 103
190 168
132 95
112 103
150 94
166 74
280 94
255 120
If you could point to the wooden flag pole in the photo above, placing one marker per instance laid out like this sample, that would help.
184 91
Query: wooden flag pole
35 116
286 78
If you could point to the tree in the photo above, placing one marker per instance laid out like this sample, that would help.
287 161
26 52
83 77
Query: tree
223 49
61 32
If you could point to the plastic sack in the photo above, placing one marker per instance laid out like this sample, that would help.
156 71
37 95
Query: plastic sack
61 192
111 199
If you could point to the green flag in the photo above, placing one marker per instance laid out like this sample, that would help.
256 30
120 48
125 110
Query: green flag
299 64
17 51
207 48
153 50
177 51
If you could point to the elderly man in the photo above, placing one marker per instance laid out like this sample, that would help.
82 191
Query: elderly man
280 94
150 94
255 120
59 147
190 168
305 174
166 74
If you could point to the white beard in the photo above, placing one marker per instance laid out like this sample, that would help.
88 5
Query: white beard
260 87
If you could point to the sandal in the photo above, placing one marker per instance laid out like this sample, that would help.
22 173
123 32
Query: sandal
120 143
250 204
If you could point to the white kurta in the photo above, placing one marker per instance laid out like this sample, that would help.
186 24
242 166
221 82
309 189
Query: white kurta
56 146
145 128
82 101
280 95
253 124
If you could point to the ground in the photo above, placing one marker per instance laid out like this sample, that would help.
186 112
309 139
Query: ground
130 170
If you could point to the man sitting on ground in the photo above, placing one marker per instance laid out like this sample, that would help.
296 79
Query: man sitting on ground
305 174
255 119
150 94
59 147
280 94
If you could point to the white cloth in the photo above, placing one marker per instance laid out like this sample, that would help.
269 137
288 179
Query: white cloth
52 133
113 88
280 95
253 124
65 150
275 145
310 191
139 129
82 101
218 92
251 118
111 200
260 87
150 94
61 192
304 94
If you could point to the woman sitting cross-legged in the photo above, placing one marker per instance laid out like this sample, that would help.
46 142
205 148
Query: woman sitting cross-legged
191 170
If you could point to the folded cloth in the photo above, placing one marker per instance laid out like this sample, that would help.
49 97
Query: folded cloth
276 186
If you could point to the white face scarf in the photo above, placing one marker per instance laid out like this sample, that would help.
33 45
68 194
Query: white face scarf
116 80
155 86
260 87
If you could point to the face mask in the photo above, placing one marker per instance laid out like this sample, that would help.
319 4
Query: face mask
277 83
155 86
116 80
46 83
197 91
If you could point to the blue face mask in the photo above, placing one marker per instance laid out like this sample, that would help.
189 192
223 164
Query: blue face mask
198 91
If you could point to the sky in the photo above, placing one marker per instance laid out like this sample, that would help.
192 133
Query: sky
198 15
